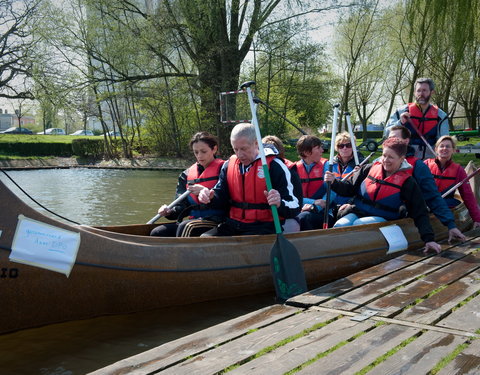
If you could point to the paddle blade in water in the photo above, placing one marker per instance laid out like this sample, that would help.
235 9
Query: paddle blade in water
287 269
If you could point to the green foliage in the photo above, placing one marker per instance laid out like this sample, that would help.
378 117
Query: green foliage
36 149
88 147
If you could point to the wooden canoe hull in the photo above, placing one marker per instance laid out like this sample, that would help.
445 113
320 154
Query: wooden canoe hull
121 270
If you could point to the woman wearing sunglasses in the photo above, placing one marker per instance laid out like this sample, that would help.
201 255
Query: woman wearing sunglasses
343 164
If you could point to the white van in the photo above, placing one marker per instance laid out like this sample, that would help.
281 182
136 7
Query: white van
53 131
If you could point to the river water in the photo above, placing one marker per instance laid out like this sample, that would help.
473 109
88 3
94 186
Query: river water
105 197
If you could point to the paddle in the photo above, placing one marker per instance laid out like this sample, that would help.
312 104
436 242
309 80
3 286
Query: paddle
429 146
454 187
330 164
352 137
285 262
364 161
175 202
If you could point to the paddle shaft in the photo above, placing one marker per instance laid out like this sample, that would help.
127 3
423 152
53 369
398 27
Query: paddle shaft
423 138
352 137
457 185
266 172
330 164
175 202
364 161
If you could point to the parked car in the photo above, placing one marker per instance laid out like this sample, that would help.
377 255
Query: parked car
53 131
14 130
111 133
83 132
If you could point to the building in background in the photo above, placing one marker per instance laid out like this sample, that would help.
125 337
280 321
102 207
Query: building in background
8 120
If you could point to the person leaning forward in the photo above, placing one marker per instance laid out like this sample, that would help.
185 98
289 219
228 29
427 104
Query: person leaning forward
427 118
242 184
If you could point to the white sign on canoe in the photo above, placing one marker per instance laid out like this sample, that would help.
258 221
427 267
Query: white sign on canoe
395 238
43 245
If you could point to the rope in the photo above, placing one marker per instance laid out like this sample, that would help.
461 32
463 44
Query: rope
33 199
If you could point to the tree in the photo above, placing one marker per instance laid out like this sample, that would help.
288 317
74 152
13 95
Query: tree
17 46
355 39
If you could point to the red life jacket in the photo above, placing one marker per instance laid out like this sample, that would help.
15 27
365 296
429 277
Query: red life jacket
426 123
207 178
312 181
288 163
248 202
444 179
380 196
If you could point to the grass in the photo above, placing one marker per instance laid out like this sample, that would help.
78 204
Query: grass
38 138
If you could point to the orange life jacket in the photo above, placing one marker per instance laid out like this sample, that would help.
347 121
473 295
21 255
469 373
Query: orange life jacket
426 123
444 179
313 180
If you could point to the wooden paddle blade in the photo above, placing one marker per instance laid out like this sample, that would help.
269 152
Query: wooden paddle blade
287 269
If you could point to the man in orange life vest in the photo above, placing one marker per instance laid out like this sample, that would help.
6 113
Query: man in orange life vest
427 118
242 186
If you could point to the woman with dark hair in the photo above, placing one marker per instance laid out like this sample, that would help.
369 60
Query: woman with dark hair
203 173
382 191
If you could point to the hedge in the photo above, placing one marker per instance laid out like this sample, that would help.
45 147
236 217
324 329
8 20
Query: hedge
36 149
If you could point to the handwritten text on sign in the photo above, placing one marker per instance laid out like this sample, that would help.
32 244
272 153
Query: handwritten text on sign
43 245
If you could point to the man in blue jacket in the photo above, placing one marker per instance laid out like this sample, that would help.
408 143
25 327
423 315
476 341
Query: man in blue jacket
429 189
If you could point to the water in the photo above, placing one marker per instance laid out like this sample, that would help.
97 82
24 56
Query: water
104 197
98 196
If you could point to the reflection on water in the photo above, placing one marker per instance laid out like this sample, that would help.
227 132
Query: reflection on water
105 197
98 196
79 347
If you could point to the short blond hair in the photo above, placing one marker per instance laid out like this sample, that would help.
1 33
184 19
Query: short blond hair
342 138
450 138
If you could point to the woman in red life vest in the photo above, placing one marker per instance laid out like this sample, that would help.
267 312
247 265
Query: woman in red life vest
447 173
203 173
381 190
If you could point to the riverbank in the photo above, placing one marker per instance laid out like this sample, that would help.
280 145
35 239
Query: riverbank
72 162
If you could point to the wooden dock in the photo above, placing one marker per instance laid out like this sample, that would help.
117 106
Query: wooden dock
414 314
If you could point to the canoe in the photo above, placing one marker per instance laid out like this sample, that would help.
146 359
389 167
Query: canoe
120 269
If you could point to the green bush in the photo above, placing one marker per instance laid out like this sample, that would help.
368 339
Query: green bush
86 147
36 149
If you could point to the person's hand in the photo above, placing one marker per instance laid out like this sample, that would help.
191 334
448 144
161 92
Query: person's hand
405 117
205 195
476 225
320 202
307 207
329 176
164 210
432 245
273 198
455 233
344 206
195 189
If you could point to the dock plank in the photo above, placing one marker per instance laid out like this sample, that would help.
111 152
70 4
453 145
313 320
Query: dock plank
466 317
244 347
170 353
423 355
393 303
294 353
375 289
435 307
465 363
360 352
345 284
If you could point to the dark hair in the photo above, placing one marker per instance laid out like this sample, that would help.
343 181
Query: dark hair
205 137
406 133
306 143
277 142
396 144
428 81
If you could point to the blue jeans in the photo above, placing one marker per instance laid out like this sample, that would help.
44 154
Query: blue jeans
352 219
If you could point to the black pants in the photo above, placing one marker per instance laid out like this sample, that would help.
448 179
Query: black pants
186 228
237 228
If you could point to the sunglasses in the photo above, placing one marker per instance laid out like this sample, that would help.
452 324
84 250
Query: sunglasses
342 145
